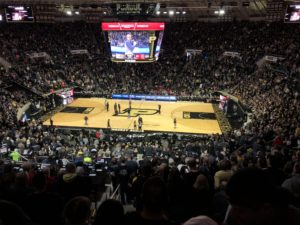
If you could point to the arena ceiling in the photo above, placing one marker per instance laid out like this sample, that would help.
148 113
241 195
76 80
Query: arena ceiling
174 10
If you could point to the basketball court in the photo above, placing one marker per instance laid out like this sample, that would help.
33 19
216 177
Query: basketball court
191 117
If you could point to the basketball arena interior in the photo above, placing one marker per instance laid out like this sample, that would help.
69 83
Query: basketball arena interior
149 112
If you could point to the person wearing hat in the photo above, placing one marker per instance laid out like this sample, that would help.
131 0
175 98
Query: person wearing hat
79 157
79 153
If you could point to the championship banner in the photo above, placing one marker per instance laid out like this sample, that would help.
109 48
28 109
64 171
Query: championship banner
192 52
79 52
133 26
270 58
38 55
232 54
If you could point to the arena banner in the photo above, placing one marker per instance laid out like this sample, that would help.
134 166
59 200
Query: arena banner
38 55
232 54
144 97
271 58
124 26
268 58
79 52
192 52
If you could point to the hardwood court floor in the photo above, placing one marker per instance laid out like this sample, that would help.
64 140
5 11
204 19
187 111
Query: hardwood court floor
98 116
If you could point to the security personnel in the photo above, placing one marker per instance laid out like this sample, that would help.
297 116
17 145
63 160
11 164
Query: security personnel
87 160
15 155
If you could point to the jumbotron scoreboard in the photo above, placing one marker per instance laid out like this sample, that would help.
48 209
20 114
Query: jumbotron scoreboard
133 41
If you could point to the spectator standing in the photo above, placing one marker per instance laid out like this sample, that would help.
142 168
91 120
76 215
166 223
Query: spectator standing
119 107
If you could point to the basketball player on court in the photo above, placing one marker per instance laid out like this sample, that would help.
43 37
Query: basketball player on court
107 106
108 124
116 108
129 104
119 107
140 120
134 125
129 113
86 120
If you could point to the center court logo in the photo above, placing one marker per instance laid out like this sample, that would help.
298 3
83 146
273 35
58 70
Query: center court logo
135 112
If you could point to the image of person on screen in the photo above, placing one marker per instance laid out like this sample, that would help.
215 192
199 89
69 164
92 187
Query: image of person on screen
129 45
17 17
295 16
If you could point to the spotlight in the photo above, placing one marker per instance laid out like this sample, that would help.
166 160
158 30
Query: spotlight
158 12
177 12
77 12
171 12
184 12
216 12
165 12
104 13
69 12
222 12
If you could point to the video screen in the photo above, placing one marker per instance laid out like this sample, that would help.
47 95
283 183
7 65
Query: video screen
129 45
133 41
19 14
158 44
292 14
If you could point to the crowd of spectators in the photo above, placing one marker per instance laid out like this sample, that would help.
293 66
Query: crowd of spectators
190 173
169 179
